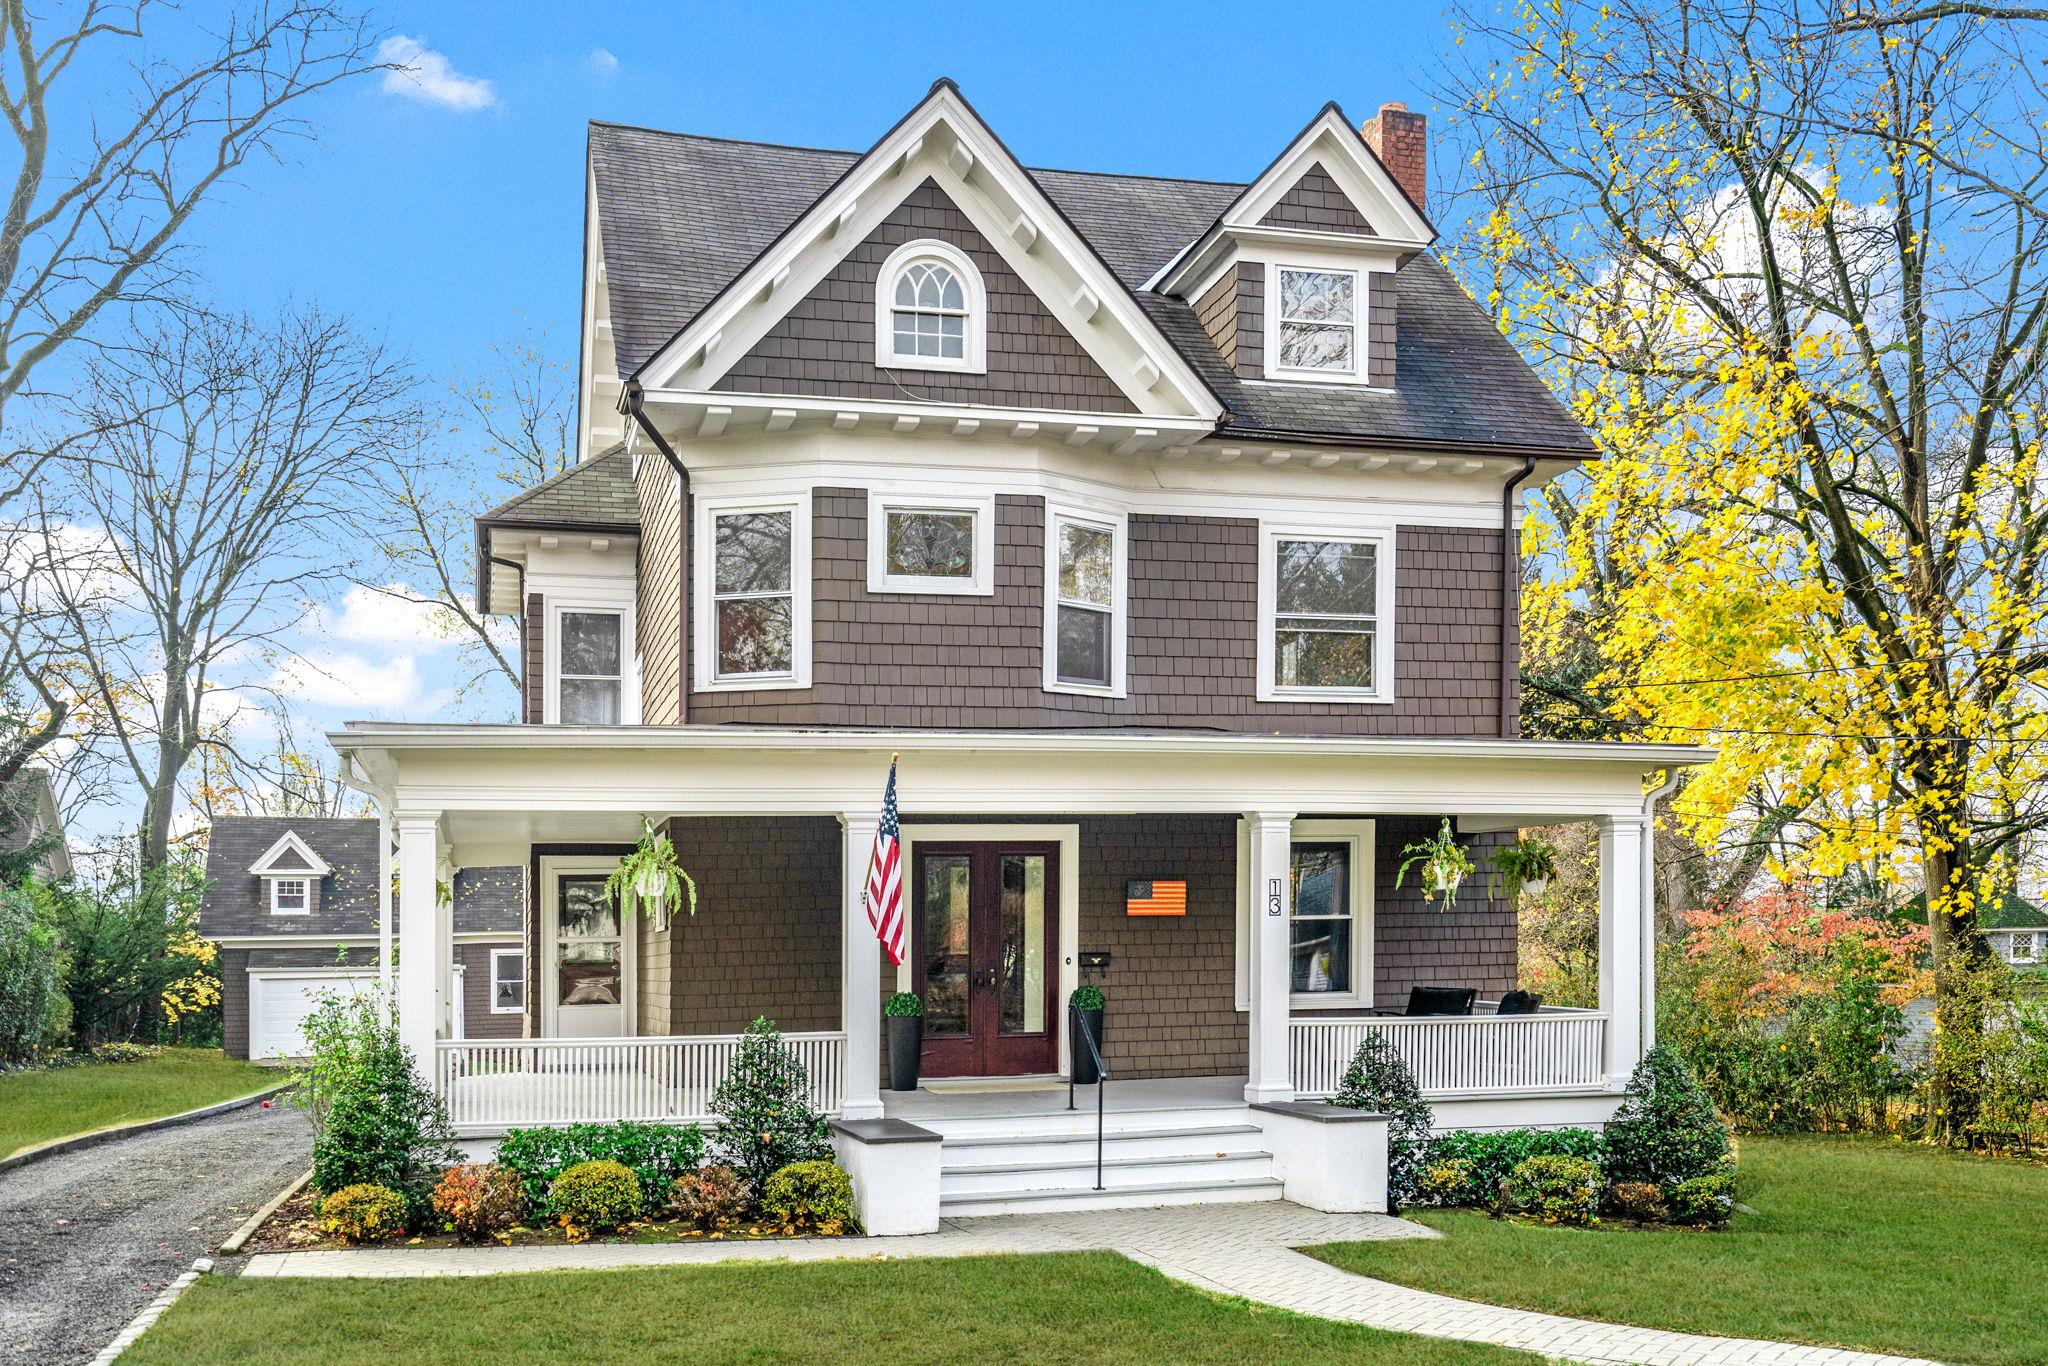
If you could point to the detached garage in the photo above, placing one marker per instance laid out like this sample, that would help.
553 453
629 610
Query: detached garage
279 1002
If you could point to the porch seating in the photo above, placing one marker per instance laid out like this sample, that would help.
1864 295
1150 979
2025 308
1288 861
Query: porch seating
1519 1003
1441 1000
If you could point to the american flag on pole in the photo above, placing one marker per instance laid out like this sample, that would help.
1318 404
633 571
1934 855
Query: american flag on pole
885 876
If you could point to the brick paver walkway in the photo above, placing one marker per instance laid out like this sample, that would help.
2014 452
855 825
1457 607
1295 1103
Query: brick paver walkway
1244 1250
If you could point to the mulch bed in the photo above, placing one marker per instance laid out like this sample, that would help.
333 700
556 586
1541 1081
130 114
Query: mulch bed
295 1227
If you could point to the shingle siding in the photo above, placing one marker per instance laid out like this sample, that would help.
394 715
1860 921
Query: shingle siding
825 344
479 1021
658 618
533 655
1382 339
1316 202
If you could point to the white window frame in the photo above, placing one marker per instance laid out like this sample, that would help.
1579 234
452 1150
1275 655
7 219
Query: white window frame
1360 333
1268 689
496 955
703 603
981 583
2012 947
1360 835
305 882
974 348
1117 524
597 604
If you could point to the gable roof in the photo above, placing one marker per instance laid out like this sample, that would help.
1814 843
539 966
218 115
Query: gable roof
684 215
290 855
2009 912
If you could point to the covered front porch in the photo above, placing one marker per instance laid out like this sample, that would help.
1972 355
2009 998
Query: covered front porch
1241 995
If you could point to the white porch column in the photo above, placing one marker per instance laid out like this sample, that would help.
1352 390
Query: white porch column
419 936
1271 844
387 977
1624 942
860 974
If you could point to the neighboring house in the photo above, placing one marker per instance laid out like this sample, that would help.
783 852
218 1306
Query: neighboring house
1166 530
292 903
2015 928
31 805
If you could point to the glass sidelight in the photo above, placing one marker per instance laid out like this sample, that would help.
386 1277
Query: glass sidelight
945 893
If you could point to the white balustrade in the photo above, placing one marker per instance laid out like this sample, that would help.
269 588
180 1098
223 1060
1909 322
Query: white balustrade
1458 1055
495 1084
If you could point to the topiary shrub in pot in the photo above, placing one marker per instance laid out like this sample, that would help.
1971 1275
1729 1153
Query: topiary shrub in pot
1552 1190
479 1200
364 1213
765 1117
1090 1005
810 1197
594 1197
710 1197
905 1013
1666 1131
1379 1080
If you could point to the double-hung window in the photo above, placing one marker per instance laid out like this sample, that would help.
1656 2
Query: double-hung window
1084 627
1330 917
753 595
508 981
592 678
931 545
1324 616
1313 323
931 312
291 896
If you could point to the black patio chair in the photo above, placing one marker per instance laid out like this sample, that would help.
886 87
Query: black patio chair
1441 1000
1519 1003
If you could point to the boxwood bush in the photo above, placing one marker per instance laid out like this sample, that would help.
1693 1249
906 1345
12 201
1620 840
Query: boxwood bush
656 1153
1466 1167
810 1197
363 1213
594 1197
1554 1190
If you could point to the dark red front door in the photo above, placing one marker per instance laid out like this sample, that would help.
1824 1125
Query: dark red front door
985 922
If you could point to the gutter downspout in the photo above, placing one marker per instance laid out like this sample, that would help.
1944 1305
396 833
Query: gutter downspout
1510 598
634 398
1648 974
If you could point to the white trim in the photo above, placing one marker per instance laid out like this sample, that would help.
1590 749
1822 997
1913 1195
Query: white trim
980 583
277 883
1384 624
553 867
291 941
1360 314
1068 837
703 612
1361 835
974 344
316 866
525 985
268 974
1117 524
590 603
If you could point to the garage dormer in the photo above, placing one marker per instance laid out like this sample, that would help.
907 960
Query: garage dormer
1295 281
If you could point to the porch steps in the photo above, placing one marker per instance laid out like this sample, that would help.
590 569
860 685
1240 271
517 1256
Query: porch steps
1015 1164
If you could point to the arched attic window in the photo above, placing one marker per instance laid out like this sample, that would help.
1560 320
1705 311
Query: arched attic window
931 312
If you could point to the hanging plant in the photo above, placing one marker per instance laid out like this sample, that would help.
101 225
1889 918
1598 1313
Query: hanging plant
1527 865
650 874
1445 864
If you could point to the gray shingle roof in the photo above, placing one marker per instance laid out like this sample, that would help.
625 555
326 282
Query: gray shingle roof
490 899
598 492
682 215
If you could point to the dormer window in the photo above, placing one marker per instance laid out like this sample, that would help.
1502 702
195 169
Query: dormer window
930 310
1314 322
289 896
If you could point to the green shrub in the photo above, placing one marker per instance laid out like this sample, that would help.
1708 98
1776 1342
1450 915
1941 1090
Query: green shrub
594 1197
29 982
814 1197
1379 1080
1555 1190
1450 1181
710 1197
1485 1159
903 1005
479 1199
363 1213
657 1153
765 1117
1708 1200
383 1126
1666 1131
1088 997
1637 1200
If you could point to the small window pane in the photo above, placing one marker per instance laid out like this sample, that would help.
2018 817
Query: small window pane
1320 933
588 973
508 990
1322 658
584 912
1327 578
590 643
751 552
1307 347
1087 564
906 291
590 701
754 637
1322 296
1083 646
931 545
1320 955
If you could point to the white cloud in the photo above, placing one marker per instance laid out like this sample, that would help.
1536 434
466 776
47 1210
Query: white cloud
387 616
417 72
602 62
363 687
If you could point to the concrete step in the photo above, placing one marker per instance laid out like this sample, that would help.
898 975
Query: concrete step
1006 1150
1082 1195
968 1128
1117 1172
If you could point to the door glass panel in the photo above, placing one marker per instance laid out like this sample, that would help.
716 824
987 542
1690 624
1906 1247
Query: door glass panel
944 898
584 913
1020 977
588 972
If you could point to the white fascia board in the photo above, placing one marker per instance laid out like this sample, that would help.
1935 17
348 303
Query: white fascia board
944 140
315 866
1341 151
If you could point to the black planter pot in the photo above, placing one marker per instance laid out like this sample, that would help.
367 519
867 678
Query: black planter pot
906 1041
1084 1061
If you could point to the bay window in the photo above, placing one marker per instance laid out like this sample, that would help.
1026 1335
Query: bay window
753 593
592 669
936 545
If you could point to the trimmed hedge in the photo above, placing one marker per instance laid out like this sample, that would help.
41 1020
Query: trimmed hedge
656 1153
1466 1167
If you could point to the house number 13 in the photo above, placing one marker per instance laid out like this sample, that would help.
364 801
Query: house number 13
1273 896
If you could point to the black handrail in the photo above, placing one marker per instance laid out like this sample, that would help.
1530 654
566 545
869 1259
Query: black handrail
1078 1024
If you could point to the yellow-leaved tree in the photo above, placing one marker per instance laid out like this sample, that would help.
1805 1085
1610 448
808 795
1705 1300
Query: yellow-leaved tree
1788 262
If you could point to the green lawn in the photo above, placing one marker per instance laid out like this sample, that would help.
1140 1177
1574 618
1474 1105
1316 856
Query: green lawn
36 1107
1855 1243
1092 1306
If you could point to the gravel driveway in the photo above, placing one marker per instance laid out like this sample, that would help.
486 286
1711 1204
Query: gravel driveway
87 1239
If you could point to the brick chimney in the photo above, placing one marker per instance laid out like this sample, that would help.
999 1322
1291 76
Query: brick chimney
1401 141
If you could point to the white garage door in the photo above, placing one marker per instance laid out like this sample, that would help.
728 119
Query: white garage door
279 1003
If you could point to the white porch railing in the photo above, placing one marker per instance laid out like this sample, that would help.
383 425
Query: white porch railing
1456 1055
495 1084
